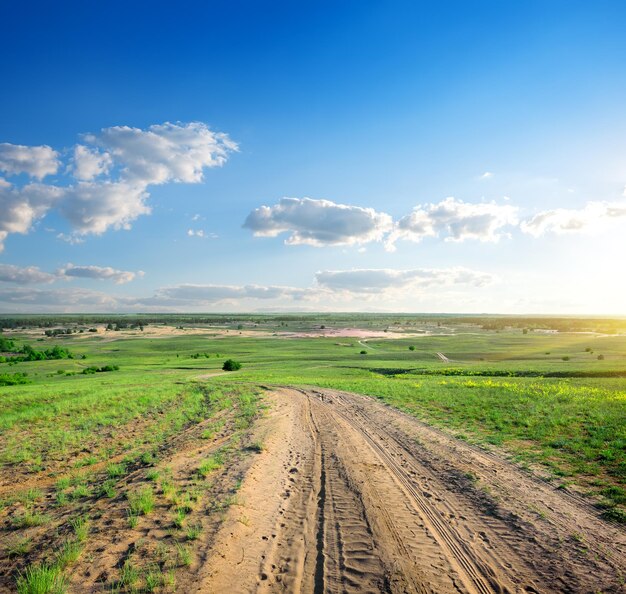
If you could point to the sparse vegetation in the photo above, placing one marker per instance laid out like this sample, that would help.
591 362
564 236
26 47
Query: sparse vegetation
141 502
545 398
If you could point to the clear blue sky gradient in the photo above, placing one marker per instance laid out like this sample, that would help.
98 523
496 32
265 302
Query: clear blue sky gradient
377 104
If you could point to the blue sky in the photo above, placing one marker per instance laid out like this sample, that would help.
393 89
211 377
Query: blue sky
456 156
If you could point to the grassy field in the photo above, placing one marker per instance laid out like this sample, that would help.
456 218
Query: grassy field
83 445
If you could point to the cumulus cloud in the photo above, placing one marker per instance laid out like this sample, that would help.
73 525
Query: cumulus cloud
95 207
381 280
89 163
456 221
119 277
164 152
35 161
112 172
21 207
594 216
318 222
24 276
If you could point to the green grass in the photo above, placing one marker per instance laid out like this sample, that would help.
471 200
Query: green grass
141 502
29 519
80 527
129 574
211 464
183 555
41 579
68 554
116 470
18 548
501 387
193 531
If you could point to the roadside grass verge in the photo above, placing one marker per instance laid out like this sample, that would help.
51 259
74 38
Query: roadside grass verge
576 429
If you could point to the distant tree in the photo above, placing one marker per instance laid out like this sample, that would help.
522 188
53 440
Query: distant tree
566 358
411 348
231 365
363 353
600 357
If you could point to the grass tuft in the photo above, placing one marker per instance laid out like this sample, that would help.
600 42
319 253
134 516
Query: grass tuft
141 502
41 579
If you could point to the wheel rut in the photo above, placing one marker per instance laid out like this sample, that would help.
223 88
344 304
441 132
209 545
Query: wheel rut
364 499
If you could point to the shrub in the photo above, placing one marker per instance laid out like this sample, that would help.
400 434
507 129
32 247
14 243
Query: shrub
231 365
363 353
13 379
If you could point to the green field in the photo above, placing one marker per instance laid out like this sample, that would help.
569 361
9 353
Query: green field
555 402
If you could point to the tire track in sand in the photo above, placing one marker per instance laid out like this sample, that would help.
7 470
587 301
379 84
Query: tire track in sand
345 501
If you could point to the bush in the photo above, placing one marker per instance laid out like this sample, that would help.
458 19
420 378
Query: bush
13 379
363 353
231 365
103 369
411 348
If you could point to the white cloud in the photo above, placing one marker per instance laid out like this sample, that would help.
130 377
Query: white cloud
209 294
89 163
319 222
345 289
383 280
95 207
201 233
126 161
487 175
24 276
593 217
456 220
35 161
119 277
70 238
164 152
21 207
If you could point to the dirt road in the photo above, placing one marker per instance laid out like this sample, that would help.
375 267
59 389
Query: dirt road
350 495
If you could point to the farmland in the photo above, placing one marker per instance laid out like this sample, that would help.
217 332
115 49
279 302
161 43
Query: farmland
120 464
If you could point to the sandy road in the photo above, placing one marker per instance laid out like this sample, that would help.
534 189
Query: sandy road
353 496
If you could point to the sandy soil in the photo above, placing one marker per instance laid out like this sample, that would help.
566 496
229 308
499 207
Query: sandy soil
350 495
